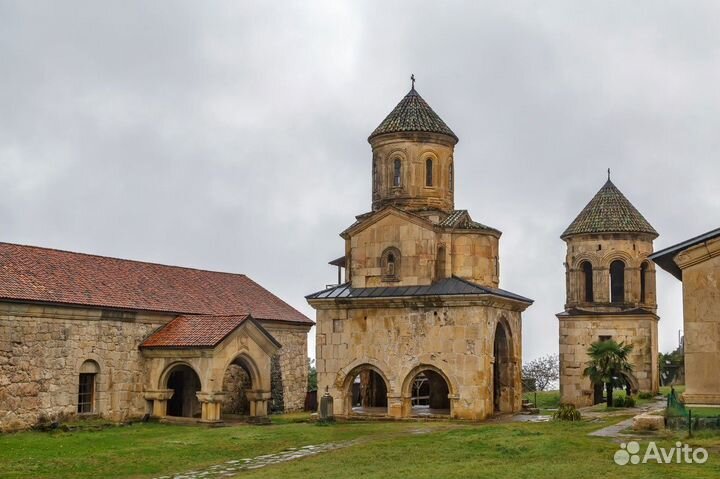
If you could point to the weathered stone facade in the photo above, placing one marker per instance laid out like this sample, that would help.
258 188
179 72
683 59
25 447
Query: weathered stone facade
293 362
610 286
43 347
418 327
696 263
402 337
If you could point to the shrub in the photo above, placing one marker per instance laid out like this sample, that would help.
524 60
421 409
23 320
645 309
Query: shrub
619 402
645 395
629 401
567 412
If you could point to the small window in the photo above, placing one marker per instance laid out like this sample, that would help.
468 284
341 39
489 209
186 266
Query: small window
451 178
605 338
390 264
643 288
87 386
429 172
374 175
397 172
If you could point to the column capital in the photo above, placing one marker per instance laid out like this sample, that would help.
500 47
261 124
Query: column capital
159 394
211 397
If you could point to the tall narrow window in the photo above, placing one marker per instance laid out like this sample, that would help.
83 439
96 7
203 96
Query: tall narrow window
429 172
390 264
397 172
451 178
440 263
587 272
374 175
617 281
87 386
643 273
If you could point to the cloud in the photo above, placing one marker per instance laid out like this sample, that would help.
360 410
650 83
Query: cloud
232 135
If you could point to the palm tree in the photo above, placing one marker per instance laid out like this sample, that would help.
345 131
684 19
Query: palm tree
609 365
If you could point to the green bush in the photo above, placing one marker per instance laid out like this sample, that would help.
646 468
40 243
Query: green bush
629 401
645 395
567 412
619 402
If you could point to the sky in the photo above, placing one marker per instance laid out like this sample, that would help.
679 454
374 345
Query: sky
232 135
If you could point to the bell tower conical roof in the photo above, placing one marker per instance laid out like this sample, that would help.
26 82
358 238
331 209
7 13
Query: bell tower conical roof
413 114
609 212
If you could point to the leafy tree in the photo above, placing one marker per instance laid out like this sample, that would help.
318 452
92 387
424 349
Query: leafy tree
542 372
312 375
609 365
672 367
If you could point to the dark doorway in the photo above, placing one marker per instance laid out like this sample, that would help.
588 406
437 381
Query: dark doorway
368 393
429 394
186 383
503 385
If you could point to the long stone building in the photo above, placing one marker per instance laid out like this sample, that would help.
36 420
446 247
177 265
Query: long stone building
419 325
91 335
610 286
696 262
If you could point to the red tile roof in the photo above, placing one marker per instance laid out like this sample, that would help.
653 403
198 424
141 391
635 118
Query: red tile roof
194 331
29 273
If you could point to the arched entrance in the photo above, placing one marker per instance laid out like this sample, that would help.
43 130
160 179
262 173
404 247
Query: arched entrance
185 383
429 393
503 381
366 391
236 383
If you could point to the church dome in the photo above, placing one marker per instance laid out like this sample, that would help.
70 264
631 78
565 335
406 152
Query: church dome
413 114
609 212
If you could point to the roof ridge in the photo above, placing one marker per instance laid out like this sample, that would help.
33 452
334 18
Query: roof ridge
116 258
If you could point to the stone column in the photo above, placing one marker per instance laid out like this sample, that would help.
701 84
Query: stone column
211 403
396 406
258 402
159 397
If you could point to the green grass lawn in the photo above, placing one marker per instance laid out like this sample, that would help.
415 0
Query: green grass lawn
705 411
387 450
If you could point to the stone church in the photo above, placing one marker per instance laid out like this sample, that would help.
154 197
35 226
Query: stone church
419 326
610 285
95 336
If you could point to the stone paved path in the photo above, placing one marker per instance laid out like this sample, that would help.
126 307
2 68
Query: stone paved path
616 429
233 467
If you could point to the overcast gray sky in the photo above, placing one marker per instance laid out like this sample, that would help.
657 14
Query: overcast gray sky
232 135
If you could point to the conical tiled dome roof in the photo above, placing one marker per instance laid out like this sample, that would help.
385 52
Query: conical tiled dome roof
412 114
609 212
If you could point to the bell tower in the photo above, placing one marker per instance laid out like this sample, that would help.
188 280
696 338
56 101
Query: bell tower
610 292
412 158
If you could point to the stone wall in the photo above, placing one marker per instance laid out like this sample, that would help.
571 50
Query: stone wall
701 311
576 335
395 338
469 255
42 349
293 361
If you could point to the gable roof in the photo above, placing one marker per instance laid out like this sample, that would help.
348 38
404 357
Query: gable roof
460 219
29 273
609 212
452 286
368 219
202 331
665 257
413 114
